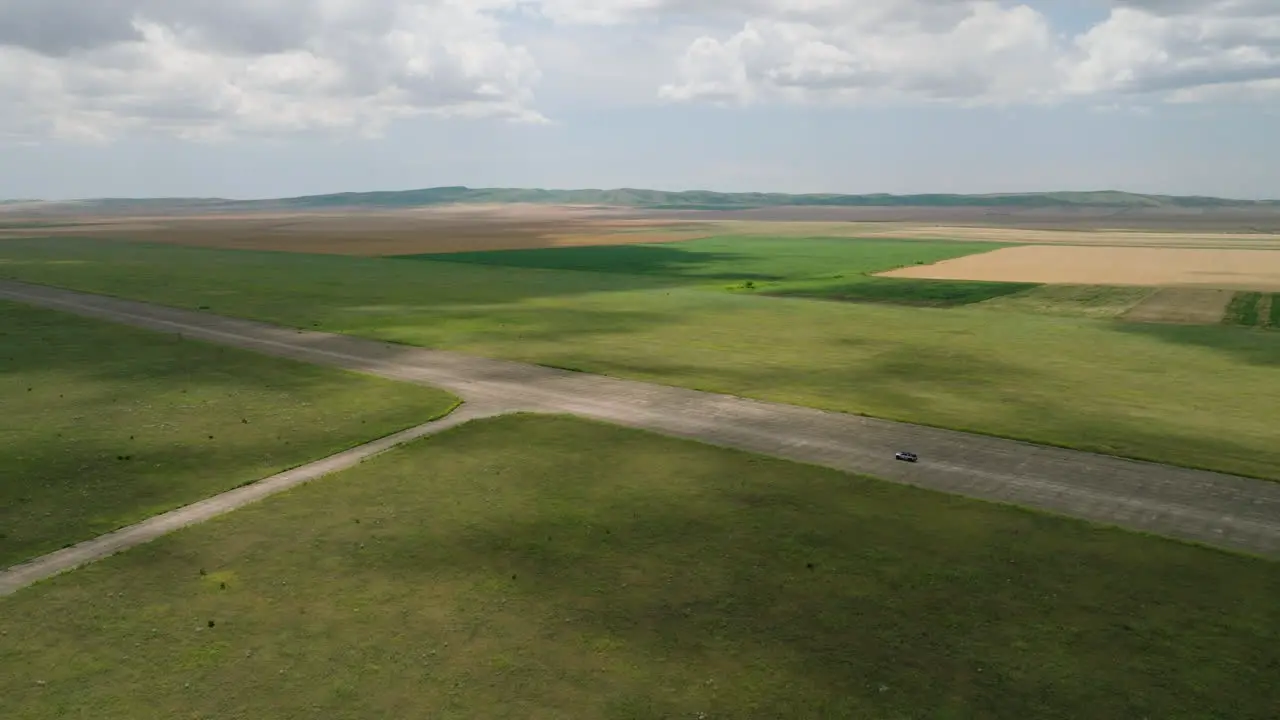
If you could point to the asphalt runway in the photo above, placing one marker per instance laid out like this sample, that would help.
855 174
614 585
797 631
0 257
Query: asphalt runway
1211 508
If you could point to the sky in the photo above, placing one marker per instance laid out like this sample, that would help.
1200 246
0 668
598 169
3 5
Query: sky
275 98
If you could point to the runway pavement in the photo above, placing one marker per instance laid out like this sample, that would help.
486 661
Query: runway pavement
1212 508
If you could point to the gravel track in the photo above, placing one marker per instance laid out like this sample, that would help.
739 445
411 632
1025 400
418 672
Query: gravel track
69 558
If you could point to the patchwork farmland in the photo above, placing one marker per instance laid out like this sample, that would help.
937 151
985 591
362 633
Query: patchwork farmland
512 566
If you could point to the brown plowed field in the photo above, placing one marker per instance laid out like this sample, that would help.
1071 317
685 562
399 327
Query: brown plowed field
400 232
1076 265
1200 220
1192 306
456 228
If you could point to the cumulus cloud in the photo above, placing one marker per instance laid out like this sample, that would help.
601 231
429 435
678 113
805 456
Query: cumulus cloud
886 51
971 51
1176 46
206 68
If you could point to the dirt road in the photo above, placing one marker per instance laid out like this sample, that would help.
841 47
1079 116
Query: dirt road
1211 508
46 566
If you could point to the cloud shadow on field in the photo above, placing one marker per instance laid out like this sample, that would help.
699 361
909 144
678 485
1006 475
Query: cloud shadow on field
525 575
70 487
118 358
732 571
1254 346
969 392
463 327
668 260
909 292
287 287
104 423
682 578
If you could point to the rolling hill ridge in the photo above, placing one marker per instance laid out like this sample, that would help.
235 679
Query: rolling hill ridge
641 199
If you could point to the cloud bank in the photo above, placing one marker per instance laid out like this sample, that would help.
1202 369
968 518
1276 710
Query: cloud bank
980 51
213 68
205 68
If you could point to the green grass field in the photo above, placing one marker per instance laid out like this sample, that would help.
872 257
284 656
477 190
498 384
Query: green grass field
827 268
1165 393
732 258
1275 310
498 571
104 425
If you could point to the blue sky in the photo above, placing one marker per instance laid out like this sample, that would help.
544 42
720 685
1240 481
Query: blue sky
242 98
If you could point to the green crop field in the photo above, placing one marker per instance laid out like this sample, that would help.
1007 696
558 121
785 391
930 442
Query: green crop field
829 268
498 571
1159 392
732 258
104 425
1243 309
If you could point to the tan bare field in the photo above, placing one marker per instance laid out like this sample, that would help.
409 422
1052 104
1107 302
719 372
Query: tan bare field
1193 306
1103 237
1077 265
375 233
1156 219
916 231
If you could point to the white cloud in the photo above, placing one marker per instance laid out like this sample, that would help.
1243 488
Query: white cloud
873 52
970 51
602 12
209 68
1179 47
206 69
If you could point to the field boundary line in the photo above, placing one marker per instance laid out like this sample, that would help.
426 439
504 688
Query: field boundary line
55 563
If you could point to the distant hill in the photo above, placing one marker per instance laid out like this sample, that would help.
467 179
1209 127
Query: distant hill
654 200
707 200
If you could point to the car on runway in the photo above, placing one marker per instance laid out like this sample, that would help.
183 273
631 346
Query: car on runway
907 457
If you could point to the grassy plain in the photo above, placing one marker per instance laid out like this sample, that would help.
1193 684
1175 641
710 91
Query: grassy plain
1159 392
830 268
499 571
104 425
733 258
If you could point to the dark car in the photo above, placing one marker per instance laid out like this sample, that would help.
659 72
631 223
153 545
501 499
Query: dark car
906 457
